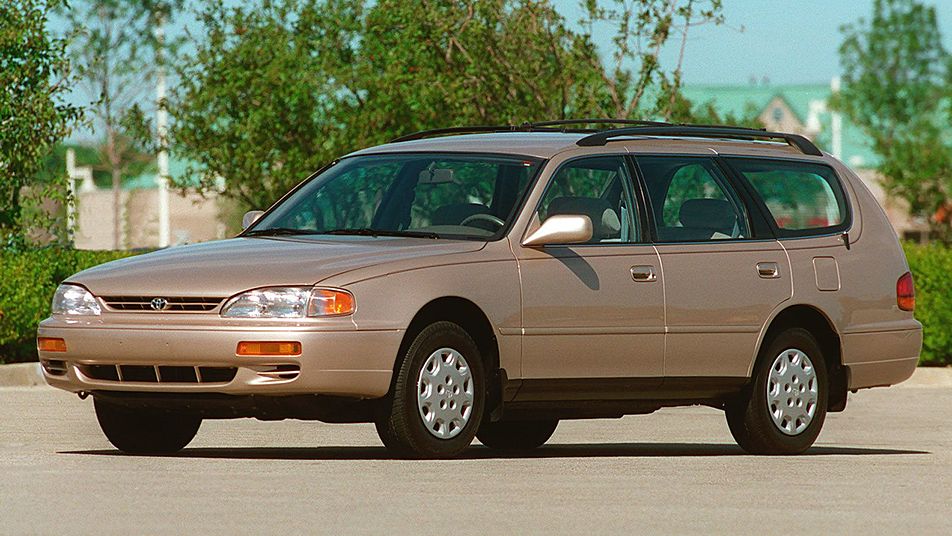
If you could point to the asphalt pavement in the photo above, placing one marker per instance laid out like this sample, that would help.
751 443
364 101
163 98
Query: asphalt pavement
883 466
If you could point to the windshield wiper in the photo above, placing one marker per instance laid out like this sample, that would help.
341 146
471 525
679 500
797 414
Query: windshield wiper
281 231
367 231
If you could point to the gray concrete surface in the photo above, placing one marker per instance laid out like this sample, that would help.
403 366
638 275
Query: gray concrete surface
883 466
21 375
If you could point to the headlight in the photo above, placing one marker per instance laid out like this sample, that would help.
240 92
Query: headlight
74 300
289 302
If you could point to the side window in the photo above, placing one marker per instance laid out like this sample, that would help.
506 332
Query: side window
692 201
803 198
600 189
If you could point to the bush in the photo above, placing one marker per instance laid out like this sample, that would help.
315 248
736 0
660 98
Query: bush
28 279
932 271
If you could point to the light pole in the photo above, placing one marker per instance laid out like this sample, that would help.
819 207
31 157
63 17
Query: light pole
161 124
836 122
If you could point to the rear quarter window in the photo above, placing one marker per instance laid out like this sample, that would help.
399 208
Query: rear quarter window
803 198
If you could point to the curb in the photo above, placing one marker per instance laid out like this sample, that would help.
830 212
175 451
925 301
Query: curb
21 375
935 377
30 375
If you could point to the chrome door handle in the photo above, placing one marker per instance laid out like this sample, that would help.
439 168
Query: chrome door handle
768 270
643 273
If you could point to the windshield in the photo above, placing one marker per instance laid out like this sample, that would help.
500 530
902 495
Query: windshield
461 196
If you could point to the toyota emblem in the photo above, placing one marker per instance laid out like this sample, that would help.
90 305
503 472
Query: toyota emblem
159 304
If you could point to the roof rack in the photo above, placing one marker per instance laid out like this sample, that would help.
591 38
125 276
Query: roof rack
596 121
697 131
560 125
598 137
476 129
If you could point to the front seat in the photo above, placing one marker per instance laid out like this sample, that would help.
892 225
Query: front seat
605 222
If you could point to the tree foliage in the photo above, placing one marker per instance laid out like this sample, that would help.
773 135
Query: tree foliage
634 79
898 88
273 91
114 50
33 78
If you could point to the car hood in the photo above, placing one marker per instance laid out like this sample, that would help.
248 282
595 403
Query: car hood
226 267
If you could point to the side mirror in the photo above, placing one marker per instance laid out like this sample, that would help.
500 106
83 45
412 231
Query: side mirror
561 229
250 217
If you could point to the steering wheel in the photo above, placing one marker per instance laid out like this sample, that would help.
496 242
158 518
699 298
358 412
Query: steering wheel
484 217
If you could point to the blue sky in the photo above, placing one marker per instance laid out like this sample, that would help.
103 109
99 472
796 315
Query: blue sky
788 42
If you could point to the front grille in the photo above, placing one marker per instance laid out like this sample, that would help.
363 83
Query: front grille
159 373
172 305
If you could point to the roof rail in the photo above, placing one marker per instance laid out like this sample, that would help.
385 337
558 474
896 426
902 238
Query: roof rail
696 131
596 121
475 129
540 126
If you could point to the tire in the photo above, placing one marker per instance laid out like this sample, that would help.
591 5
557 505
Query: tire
405 425
142 431
780 422
516 435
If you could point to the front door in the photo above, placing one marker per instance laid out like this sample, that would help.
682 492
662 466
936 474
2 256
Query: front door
593 311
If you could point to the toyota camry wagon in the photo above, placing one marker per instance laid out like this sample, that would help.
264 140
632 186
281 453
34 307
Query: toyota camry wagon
488 282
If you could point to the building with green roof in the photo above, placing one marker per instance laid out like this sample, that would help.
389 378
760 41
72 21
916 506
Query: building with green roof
802 105
803 109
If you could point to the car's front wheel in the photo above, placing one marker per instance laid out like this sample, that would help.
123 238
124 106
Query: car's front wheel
143 431
785 405
438 395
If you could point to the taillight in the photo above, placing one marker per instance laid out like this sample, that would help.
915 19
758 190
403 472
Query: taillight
906 292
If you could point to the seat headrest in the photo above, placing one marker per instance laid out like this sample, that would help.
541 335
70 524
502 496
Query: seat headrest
455 213
716 214
605 222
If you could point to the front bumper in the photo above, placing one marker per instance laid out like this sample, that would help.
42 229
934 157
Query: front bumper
347 362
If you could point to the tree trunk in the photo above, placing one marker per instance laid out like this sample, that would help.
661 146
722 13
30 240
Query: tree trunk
10 213
117 208
114 165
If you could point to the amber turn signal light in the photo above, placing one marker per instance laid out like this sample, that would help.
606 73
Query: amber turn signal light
330 302
906 292
50 344
268 348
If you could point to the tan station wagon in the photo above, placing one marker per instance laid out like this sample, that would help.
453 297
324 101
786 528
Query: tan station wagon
490 281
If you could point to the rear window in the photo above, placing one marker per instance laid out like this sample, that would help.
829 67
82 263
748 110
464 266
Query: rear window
803 198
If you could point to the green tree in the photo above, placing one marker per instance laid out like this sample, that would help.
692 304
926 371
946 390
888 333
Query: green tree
634 81
898 87
114 50
33 78
275 90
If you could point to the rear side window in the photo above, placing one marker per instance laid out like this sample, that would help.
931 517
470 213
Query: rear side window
692 200
803 198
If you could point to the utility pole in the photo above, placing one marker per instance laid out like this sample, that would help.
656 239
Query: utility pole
836 123
161 124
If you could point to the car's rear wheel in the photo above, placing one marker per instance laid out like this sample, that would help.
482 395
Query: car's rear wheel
438 395
785 405
516 435
143 431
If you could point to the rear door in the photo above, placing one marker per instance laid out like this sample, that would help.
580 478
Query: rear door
723 271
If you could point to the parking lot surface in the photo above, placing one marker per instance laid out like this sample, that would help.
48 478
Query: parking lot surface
883 466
